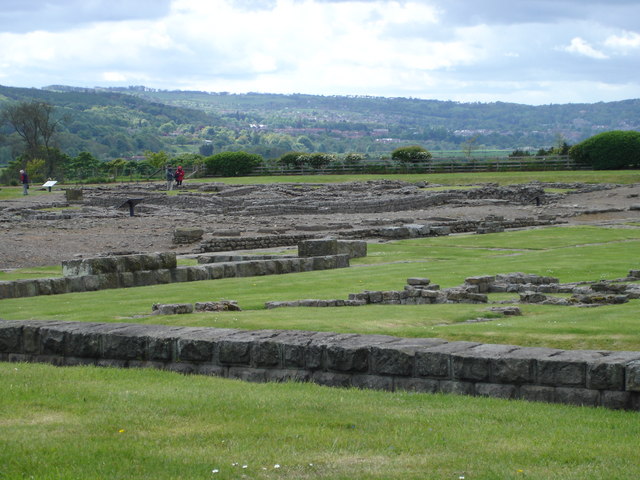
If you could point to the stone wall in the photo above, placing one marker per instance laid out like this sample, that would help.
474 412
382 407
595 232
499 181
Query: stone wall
141 278
225 244
583 377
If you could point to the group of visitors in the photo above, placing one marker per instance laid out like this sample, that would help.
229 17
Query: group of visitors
176 176
172 176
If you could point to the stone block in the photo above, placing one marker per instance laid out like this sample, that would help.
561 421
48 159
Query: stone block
419 385
608 372
372 382
577 396
496 390
435 362
615 400
171 308
350 353
201 344
186 235
352 248
26 288
398 357
474 363
254 375
91 283
519 366
10 337
568 368
7 290
287 375
632 375
318 248
537 393
330 379
457 387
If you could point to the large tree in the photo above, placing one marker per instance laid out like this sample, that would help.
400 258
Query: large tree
37 125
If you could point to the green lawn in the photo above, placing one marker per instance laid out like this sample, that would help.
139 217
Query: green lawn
93 423
99 423
568 253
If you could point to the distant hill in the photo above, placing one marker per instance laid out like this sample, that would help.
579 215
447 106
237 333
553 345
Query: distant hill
124 122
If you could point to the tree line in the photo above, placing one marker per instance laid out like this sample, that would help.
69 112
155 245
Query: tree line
38 125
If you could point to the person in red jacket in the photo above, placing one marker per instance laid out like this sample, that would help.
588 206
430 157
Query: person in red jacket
179 176
24 180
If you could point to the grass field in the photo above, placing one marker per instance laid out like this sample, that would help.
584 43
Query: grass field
92 423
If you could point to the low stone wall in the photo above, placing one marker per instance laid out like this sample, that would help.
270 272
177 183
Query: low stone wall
119 264
581 377
225 244
486 225
331 246
141 278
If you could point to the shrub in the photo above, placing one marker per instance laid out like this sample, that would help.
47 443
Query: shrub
318 160
292 159
411 154
232 164
609 150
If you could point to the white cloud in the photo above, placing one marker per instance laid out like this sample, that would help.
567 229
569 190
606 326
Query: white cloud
625 41
451 49
582 47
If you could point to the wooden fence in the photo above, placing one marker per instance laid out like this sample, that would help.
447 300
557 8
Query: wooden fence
437 165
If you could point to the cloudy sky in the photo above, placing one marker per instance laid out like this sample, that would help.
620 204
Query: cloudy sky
524 51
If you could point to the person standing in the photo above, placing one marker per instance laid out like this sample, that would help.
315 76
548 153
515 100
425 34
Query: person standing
24 179
170 176
179 176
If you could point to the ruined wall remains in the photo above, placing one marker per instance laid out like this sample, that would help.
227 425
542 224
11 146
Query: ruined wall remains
582 377
225 244
110 272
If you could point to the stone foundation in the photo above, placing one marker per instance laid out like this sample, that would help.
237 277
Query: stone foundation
114 278
582 377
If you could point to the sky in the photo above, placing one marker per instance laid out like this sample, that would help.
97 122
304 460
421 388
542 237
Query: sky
532 52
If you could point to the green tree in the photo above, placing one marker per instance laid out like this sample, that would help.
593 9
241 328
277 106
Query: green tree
232 164
469 146
411 154
36 123
157 159
609 150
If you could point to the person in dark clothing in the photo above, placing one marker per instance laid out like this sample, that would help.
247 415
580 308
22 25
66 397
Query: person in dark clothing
170 178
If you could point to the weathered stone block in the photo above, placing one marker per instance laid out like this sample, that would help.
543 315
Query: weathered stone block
496 390
632 375
352 248
412 384
436 362
475 363
373 382
10 337
577 396
457 387
568 368
318 248
608 373
615 400
186 235
331 379
519 366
